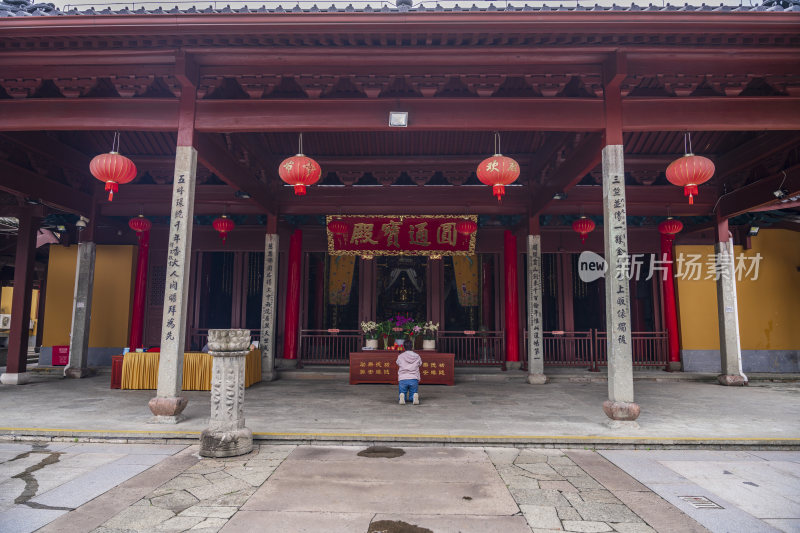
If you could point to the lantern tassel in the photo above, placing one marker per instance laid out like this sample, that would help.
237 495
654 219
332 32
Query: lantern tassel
498 191
690 191
299 189
111 187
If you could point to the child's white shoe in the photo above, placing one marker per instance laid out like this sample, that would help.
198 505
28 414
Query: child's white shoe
416 398
402 399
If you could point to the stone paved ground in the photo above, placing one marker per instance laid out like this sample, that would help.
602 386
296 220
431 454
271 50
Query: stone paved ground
127 488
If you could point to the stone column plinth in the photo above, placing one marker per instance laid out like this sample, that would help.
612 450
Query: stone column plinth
226 435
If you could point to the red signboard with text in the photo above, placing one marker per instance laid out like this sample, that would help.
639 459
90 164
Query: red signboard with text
431 235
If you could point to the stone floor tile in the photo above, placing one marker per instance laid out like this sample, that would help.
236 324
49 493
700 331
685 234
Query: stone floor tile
217 476
139 519
183 482
218 488
140 459
206 511
568 470
502 456
586 527
84 488
632 527
599 496
176 501
541 471
568 513
21 519
206 466
209 525
563 486
539 497
606 512
456 523
530 456
179 523
585 482
232 499
541 517
561 460
297 522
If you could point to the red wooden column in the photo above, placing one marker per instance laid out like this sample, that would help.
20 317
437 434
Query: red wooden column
15 373
137 314
292 315
511 301
670 308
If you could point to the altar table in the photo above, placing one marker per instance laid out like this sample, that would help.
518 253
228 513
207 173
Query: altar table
140 370
379 366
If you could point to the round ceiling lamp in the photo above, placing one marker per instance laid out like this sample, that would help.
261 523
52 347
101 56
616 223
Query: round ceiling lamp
299 171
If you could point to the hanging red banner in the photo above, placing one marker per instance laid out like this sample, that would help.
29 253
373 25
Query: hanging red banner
430 235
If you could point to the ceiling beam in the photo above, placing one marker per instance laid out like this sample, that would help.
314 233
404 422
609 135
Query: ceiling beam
652 200
587 155
760 193
425 114
218 160
26 184
747 155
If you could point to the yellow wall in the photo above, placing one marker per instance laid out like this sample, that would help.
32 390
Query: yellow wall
769 317
6 295
111 300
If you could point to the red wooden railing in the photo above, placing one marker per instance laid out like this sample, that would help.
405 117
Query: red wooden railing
473 348
328 347
588 348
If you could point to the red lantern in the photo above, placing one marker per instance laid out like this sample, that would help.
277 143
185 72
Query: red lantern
139 224
338 227
113 169
223 225
670 226
299 171
688 172
466 227
498 171
583 226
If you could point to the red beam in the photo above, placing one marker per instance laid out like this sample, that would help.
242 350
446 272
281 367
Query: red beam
151 114
760 193
653 200
24 183
747 155
431 114
711 114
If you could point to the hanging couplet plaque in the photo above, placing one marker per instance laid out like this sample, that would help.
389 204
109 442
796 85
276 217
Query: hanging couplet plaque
430 235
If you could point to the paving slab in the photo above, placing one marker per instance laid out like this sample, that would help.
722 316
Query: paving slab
88 486
24 519
297 522
460 523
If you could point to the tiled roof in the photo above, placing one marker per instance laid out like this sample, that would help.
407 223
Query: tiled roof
26 8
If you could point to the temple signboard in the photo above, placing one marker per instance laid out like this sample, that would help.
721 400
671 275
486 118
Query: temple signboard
428 235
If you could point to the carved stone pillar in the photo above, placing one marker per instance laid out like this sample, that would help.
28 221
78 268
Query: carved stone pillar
226 435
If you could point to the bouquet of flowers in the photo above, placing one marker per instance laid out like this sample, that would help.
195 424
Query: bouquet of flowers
429 330
370 329
400 325
412 330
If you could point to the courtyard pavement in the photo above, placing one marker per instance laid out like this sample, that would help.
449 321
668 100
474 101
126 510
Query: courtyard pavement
126 488
494 411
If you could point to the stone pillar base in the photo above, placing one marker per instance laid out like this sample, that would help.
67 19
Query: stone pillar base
732 380
15 379
167 410
625 411
269 376
226 443
675 366
536 379
280 362
622 424
513 365
77 373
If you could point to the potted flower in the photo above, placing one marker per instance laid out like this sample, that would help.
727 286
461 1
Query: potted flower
398 325
412 331
429 330
383 330
370 330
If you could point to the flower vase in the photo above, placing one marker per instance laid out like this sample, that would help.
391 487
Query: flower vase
385 342
372 344
429 344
